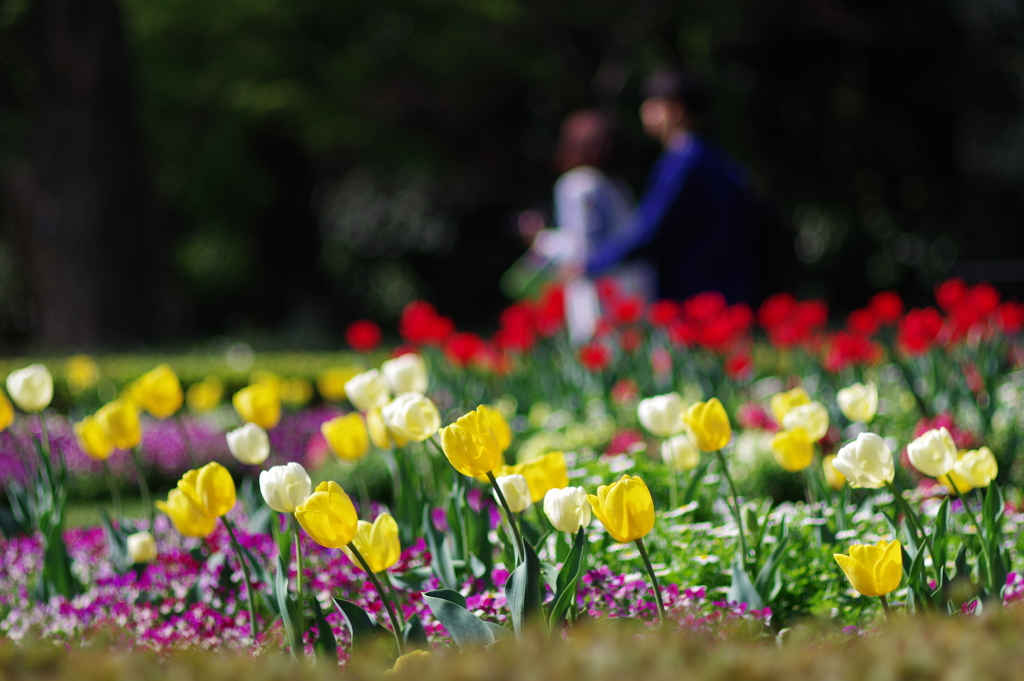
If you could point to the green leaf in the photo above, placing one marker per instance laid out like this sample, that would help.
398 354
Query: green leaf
466 629
440 555
742 590
288 610
523 591
325 647
450 595
414 635
565 585
768 582
361 626
696 477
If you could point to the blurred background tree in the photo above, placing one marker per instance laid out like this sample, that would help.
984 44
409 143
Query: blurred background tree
175 169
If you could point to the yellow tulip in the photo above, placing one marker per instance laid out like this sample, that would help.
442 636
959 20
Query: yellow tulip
381 436
6 412
92 438
210 489
781 403
81 373
499 426
413 662
267 378
328 516
873 570
186 518
834 478
347 436
542 474
331 382
296 392
793 450
470 444
205 395
708 425
377 543
978 467
120 420
258 403
159 392
625 508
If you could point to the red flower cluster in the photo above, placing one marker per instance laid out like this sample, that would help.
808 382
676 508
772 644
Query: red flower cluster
790 322
707 320
847 348
595 356
363 335
420 324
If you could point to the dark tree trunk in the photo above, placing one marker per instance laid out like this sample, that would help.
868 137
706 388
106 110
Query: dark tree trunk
81 207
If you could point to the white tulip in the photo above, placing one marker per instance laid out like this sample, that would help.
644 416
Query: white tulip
858 402
978 467
31 388
142 547
368 390
412 416
405 374
813 418
285 487
866 462
679 453
934 453
568 509
516 492
661 415
249 444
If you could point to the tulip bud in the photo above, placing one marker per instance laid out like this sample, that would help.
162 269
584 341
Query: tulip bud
31 388
328 516
142 547
81 373
873 570
866 462
470 445
286 487
811 417
377 543
185 516
679 454
499 426
259 403
347 436
781 403
567 509
120 421
792 449
159 392
412 416
368 390
205 395
92 439
331 382
978 467
210 489
6 412
934 453
516 492
625 508
405 374
661 415
833 477
708 425
249 444
858 402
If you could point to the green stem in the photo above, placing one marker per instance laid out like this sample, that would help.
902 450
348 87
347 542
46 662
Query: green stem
383 597
364 496
386 580
654 580
143 486
520 544
245 575
735 504
885 607
673 500
115 496
298 574
914 522
45 442
977 523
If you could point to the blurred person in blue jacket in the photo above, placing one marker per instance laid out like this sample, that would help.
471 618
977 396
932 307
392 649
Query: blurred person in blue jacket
695 218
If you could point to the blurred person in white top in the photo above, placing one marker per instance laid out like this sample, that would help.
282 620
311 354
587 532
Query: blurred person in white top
590 206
